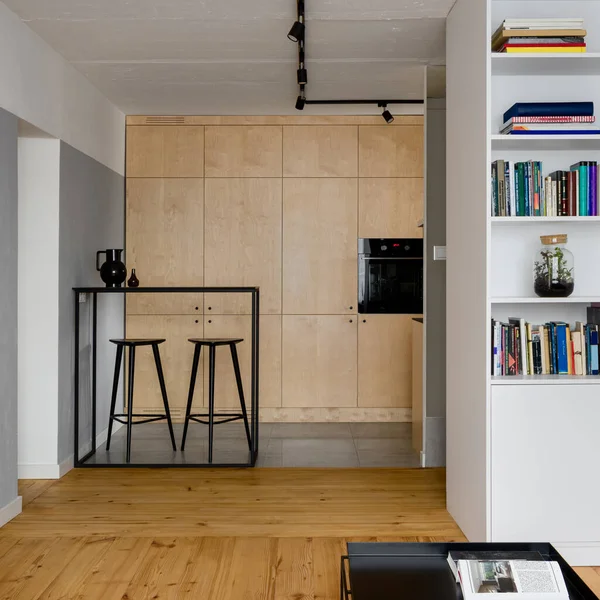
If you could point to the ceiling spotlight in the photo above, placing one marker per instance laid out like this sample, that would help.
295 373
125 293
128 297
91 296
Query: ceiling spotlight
300 102
386 114
296 33
302 76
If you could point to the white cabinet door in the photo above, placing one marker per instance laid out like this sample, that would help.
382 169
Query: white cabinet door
545 456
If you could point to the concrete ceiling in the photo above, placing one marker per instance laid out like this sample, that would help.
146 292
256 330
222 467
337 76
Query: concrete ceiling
233 56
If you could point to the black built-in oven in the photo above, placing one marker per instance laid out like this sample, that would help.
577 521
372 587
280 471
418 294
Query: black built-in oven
390 276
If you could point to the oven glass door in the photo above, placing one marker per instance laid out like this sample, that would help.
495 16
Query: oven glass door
390 285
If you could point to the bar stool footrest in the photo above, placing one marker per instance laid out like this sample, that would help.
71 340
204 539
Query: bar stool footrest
198 418
147 419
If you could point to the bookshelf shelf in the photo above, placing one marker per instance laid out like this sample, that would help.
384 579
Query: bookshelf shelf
547 379
546 64
536 300
545 142
526 220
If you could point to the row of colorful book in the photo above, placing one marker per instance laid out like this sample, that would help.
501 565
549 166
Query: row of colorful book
550 118
520 190
556 348
539 36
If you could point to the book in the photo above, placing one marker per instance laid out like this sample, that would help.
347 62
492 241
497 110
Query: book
561 349
594 352
540 109
519 325
543 41
565 49
550 127
530 579
555 132
581 168
593 168
504 34
577 353
548 119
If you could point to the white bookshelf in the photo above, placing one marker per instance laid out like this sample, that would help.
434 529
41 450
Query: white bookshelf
521 452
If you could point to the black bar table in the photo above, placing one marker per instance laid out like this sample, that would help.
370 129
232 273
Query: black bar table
94 292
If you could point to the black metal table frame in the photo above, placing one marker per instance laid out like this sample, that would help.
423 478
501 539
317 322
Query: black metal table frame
254 417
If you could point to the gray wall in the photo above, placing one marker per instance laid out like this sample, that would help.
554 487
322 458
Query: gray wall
435 424
8 307
92 217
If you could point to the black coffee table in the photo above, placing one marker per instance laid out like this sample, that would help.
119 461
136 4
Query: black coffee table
401 571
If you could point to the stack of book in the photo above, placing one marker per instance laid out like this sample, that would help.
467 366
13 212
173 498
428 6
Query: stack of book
540 36
520 190
550 118
519 348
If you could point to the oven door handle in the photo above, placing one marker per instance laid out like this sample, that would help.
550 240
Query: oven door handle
391 258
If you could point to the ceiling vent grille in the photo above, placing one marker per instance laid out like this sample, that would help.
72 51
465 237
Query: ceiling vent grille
165 120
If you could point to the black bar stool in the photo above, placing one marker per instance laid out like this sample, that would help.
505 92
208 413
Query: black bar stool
212 344
132 345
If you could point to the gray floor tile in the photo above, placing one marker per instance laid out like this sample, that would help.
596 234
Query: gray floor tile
319 453
311 430
384 445
270 460
381 430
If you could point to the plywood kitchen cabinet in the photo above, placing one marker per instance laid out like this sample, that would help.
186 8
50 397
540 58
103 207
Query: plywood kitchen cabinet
385 361
320 246
243 243
390 207
176 355
243 151
165 151
319 361
391 151
165 231
226 394
320 151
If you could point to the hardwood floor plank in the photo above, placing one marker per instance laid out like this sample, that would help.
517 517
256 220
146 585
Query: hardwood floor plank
294 569
30 489
327 553
591 576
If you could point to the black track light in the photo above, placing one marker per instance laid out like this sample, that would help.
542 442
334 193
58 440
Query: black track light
302 76
296 33
386 114
300 102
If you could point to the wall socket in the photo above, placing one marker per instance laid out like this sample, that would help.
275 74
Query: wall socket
439 253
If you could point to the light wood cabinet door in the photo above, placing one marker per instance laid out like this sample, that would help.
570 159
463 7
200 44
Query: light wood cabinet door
391 151
319 361
417 386
165 242
390 207
320 151
241 151
176 357
226 393
385 361
243 243
165 151
320 246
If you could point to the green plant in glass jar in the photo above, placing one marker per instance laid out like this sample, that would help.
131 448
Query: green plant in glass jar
553 268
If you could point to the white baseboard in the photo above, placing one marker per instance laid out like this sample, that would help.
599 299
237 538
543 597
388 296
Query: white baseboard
580 554
54 471
11 510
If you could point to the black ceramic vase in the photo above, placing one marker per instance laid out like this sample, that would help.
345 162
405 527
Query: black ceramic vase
133 281
113 271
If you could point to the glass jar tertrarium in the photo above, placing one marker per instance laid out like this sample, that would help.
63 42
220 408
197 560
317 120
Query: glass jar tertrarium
553 268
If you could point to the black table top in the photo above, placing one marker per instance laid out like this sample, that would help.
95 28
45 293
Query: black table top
386 571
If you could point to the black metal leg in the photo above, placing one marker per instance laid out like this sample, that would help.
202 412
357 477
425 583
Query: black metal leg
188 410
163 391
211 401
240 387
130 401
115 389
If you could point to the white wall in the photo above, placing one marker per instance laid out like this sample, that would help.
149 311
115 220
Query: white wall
38 247
39 86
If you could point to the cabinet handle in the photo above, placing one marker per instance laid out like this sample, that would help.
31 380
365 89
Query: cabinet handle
364 320
351 308
350 321
210 308
196 308
209 321
196 321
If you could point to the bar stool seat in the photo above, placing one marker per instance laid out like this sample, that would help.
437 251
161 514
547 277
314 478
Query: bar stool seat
212 344
132 344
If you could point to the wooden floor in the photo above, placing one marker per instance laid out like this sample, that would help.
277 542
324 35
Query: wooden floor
253 534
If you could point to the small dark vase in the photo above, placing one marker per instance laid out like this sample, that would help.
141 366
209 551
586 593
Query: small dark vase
133 281
113 271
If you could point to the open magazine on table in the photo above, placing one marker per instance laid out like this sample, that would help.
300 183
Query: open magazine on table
527 579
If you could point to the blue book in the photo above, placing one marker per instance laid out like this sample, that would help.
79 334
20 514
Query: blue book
561 349
527 189
550 109
594 352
